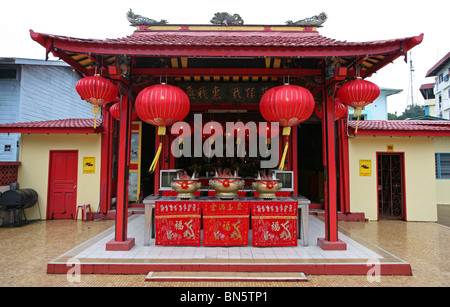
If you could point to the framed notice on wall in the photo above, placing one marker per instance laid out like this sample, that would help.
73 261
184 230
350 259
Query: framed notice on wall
365 167
88 165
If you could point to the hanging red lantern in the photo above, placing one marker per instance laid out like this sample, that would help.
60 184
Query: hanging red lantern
340 110
358 94
290 105
161 105
115 112
97 91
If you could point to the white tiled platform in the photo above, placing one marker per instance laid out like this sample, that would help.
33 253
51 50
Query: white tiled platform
140 259
313 251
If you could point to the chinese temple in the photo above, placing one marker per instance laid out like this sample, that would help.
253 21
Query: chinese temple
223 72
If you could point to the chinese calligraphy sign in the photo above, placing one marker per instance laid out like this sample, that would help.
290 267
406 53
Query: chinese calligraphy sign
229 93
177 223
274 224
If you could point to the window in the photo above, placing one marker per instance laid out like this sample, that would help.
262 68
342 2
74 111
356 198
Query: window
8 74
442 165
441 78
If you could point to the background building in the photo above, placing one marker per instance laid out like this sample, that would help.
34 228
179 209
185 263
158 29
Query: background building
36 90
441 71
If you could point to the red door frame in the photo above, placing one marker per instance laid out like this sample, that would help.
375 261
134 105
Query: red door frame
402 155
50 206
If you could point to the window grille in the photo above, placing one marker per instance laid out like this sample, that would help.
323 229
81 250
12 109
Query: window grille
442 165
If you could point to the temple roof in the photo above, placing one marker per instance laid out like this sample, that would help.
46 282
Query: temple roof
257 41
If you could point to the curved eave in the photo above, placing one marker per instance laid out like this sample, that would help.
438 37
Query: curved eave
67 48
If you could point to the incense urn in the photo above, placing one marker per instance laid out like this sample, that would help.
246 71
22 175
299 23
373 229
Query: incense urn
226 187
267 186
186 188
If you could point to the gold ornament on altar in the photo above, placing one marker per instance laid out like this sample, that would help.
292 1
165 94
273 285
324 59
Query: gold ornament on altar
226 184
266 185
185 186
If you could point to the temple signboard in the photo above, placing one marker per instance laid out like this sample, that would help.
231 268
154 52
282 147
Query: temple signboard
225 93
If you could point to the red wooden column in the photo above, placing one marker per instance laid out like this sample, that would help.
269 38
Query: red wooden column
344 182
121 241
105 172
331 240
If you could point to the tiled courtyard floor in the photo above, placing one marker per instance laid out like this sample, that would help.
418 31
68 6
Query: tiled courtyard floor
25 252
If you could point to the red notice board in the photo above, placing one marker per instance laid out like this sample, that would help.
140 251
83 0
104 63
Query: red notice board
177 223
274 223
225 223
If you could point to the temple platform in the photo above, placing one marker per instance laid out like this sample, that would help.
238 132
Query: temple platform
360 258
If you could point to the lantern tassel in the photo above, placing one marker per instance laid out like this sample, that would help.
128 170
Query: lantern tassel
286 133
161 132
357 112
156 159
95 111
356 128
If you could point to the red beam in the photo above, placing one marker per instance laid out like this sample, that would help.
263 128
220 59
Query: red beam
209 72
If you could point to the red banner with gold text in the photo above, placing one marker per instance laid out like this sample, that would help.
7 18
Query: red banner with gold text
274 224
225 223
177 223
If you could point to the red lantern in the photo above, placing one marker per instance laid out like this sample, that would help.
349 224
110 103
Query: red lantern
357 94
340 110
115 112
161 105
290 105
97 91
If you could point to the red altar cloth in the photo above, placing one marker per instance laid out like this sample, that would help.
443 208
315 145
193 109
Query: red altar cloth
274 224
177 223
225 223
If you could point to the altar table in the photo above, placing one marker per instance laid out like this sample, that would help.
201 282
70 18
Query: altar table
227 225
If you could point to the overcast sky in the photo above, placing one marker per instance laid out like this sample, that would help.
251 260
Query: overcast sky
349 20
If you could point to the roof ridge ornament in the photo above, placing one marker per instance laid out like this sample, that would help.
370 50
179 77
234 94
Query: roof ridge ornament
224 18
135 19
316 20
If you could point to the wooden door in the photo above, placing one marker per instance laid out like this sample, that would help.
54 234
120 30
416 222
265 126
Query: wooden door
391 186
62 191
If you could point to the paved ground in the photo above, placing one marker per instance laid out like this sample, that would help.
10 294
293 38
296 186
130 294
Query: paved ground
25 252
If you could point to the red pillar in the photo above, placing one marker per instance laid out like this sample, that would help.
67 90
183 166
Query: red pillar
344 166
121 241
106 154
331 241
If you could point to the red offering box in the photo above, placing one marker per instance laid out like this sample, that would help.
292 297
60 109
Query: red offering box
225 223
274 224
177 223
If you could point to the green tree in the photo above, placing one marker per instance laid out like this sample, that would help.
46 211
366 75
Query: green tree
411 111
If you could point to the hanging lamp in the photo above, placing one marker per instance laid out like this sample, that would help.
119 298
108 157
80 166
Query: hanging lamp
358 94
161 105
97 91
290 105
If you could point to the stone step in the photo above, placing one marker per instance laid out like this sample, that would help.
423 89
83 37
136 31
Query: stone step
225 276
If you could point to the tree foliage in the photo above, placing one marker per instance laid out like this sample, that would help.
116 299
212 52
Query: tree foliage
411 111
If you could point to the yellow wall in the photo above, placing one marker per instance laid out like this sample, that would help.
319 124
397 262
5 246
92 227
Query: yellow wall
420 181
442 144
33 172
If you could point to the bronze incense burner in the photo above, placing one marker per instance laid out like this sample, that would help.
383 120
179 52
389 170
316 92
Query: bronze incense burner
266 186
226 185
185 186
